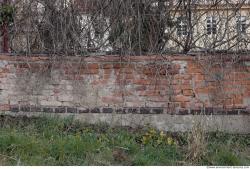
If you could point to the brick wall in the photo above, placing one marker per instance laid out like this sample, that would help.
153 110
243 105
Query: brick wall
140 85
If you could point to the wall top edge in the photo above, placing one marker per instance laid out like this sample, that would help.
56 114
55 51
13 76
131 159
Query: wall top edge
116 58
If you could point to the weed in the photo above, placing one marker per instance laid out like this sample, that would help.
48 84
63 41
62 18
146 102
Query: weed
56 141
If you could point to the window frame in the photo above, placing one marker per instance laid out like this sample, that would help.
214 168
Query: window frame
211 25
239 24
182 27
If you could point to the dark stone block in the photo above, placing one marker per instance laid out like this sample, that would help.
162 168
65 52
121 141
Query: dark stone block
14 108
244 112
184 112
194 112
35 109
157 111
133 110
25 108
145 110
232 112
83 111
219 112
121 111
95 110
60 110
210 110
107 110
214 111
71 110
48 110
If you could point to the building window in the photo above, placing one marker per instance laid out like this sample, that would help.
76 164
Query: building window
241 24
211 25
181 26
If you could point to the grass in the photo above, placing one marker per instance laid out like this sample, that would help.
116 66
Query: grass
55 141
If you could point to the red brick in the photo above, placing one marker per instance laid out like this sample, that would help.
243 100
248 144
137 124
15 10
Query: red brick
4 70
149 71
99 82
24 65
186 77
122 93
177 91
140 88
5 107
180 98
238 100
173 70
107 66
107 71
188 92
73 77
89 71
129 76
119 81
118 65
202 90
186 87
200 77
155 71
2 75
158 99
127 70
112 100
149 93
183 104
106 76
157 87
141 82
93 66
161 81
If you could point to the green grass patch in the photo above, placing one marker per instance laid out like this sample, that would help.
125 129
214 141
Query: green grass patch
56 141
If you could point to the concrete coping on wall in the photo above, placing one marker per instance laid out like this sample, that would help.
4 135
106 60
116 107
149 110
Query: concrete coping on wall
117 58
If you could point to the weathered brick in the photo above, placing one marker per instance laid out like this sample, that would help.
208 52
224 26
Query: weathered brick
127 83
